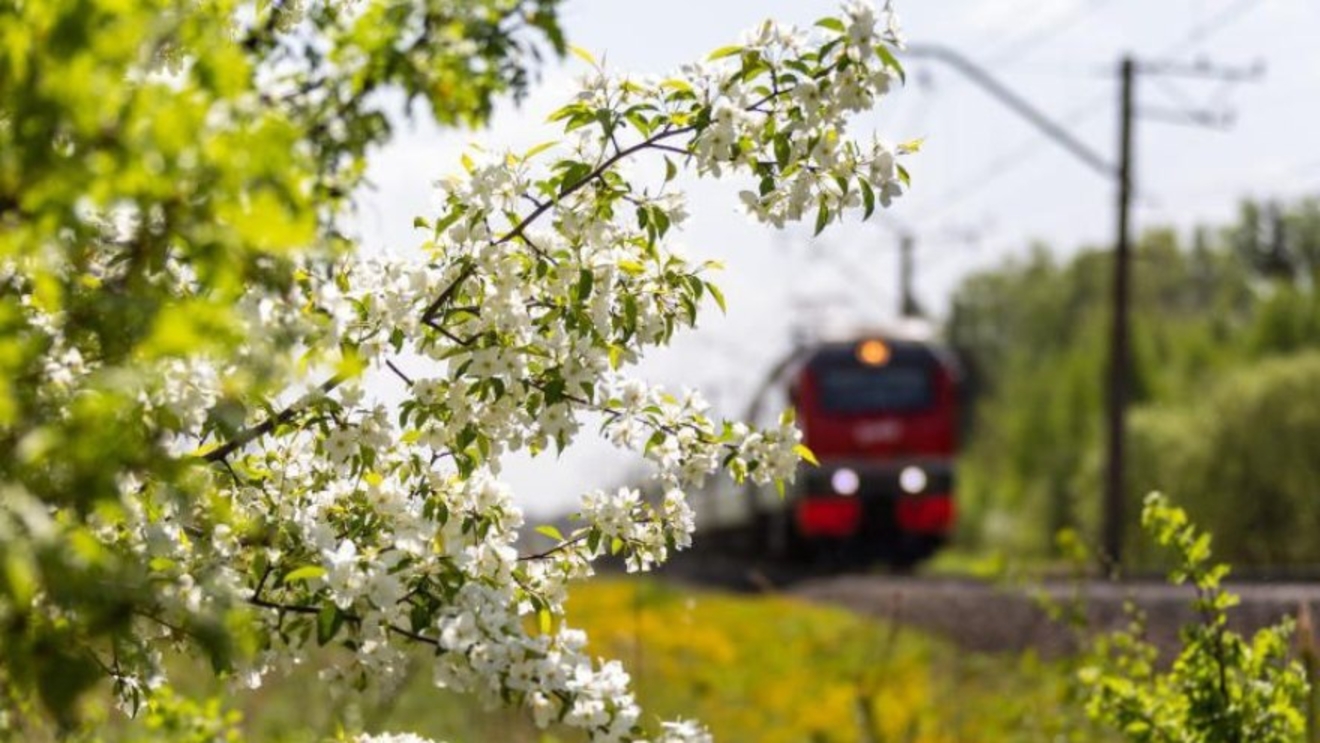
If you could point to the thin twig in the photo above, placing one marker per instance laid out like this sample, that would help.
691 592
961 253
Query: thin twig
553 550
398 372
609 162
428 314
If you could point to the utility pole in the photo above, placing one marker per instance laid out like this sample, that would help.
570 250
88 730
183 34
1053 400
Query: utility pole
1118 373
1119 365
907 301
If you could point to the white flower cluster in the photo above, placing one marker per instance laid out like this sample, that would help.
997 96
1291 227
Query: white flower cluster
795 127
377 520
391 738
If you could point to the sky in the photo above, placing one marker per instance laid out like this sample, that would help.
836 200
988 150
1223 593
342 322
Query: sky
986 185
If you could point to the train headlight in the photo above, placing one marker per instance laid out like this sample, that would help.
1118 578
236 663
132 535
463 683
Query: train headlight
912 480
873 352
845 481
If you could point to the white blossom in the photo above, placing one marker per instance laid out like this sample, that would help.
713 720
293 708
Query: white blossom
369 512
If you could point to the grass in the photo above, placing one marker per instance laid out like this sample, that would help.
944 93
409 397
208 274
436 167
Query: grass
761 669
772 668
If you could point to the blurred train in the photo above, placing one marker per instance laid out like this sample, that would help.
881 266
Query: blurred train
880 413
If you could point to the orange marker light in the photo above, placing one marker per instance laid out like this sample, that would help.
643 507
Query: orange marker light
873 352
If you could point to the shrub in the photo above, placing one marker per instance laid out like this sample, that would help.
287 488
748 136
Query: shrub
1222 687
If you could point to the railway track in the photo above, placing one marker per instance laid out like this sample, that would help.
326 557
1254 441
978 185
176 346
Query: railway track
990 617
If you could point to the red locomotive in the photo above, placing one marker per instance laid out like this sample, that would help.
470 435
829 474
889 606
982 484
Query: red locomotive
881 415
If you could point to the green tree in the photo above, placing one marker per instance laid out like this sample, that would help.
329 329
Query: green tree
161 161
1248 452
223 430
1035 333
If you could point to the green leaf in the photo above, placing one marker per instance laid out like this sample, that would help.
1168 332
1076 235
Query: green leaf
822 218
868 198
551 531
538 149
783 151
724 51
583 55
186 327
891 61
833 24
351 364
802 451
910 146
328 622
304 573
674 83
161 564
656 439
569 111
573 174
671 170
640 122
20 576
718 296
586 280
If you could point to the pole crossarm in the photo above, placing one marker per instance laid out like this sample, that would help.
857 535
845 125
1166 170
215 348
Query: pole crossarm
1202 69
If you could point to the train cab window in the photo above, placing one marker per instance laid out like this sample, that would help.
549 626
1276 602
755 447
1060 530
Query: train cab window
854 388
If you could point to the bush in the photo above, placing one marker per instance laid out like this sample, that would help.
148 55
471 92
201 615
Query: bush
1221 687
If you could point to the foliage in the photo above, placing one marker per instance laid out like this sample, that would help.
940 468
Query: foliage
1035 336
754 667
1250 451
223 431
1222 687
169 171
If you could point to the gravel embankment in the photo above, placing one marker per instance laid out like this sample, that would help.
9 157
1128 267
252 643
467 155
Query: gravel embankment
984 616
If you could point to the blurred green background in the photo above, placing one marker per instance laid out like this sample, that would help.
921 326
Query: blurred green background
1225 384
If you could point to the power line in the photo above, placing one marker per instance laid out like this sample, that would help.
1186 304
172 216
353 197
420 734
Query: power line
1019 155
913 117
1008 162
1179 96
1029 41
1226 17
1015 102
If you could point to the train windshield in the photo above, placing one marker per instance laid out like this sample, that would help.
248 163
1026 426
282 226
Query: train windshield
853 388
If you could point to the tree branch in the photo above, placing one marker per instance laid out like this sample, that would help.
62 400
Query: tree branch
604 166
249 435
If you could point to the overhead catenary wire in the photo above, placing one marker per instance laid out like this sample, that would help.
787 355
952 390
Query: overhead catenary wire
1010 160
1228 16
1035 38
1007 162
